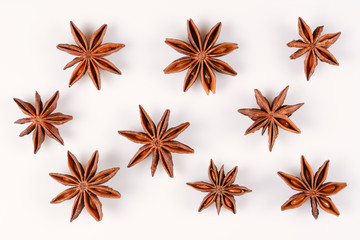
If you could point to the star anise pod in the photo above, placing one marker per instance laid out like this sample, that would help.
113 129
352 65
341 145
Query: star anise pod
158 140
221 190
90 55
201 57
271 116
42 119
312 187
86 186
315 47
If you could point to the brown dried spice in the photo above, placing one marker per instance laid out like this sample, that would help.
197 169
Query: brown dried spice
86 186
221 190
312 187
271 116
42 119
201 57
90 56
315 47
158 140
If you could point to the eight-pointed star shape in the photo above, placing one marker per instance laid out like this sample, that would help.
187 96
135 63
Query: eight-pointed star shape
315 47
201 57
312 187
221 190
42 119
90 56
271 116
86 186
158 140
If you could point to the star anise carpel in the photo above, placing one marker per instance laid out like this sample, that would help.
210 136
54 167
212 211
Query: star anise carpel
312 187
90 55
315 46
271 116
42 119
201 57
157 140
221 190
86 186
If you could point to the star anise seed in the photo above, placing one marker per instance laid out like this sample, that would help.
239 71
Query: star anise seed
315 46
201 57
271 116
90 55
158 140
85 186
313 187
42 119
221 190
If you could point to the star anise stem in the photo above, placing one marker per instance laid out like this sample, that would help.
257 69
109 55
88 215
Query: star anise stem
314 208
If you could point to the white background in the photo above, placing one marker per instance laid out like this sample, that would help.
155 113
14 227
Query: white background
160 207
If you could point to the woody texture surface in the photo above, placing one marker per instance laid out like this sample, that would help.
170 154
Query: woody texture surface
90 56
201 57
315 46
312 187
86 186
41 119
221 190
271 116
157 140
